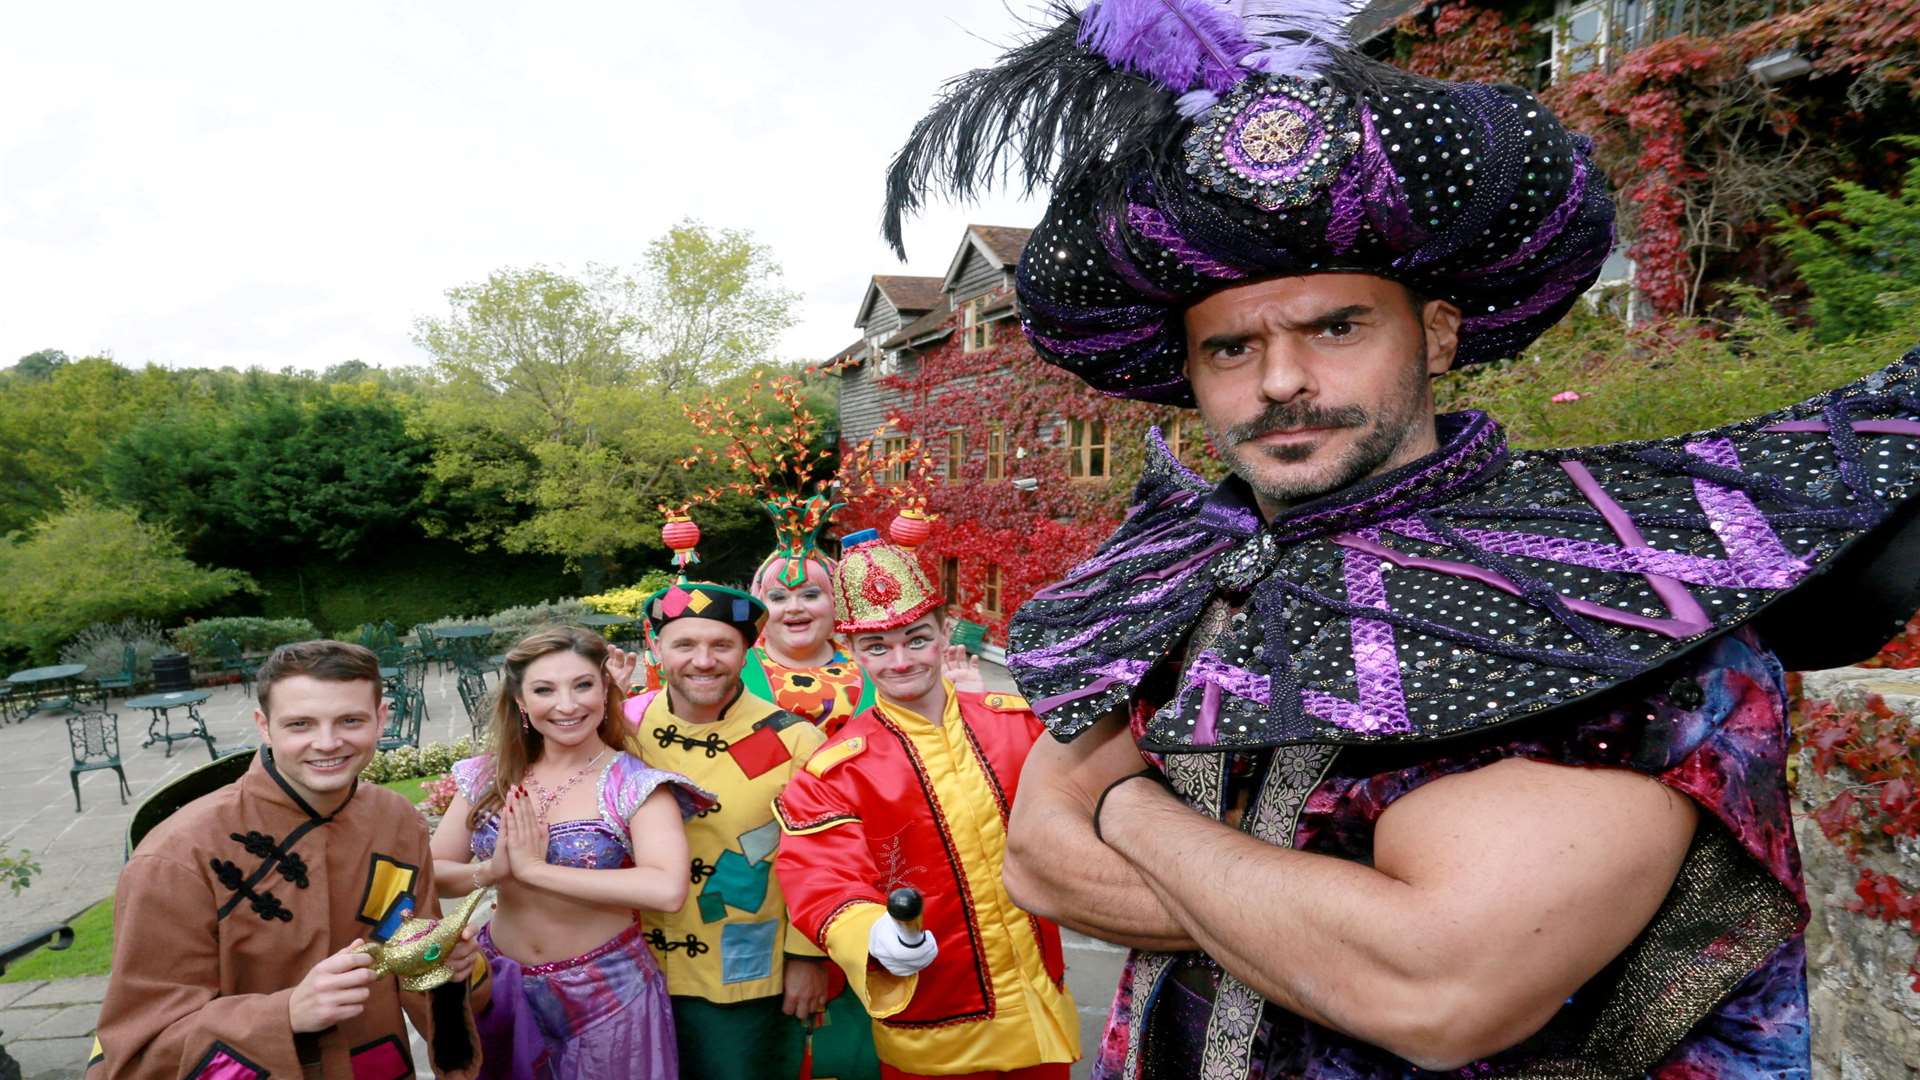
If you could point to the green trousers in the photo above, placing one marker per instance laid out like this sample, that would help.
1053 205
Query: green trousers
754 1040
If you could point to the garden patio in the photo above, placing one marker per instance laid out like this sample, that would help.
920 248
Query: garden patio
47 1026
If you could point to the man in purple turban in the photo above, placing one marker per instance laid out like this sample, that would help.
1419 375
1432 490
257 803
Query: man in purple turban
1397 752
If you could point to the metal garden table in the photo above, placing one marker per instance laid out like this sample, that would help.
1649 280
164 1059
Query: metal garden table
160 729
48 685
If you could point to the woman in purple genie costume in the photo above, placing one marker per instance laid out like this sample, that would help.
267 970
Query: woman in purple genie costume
577 835
1395 753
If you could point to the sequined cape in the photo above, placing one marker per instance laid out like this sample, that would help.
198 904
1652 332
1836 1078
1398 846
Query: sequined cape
1478 586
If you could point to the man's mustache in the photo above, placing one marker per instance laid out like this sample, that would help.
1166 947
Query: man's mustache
1292 416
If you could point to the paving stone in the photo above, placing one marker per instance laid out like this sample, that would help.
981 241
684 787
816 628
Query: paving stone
67 1022
52 1059
12 992
91 990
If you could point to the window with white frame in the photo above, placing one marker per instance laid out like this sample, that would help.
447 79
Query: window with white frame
996 453
990 591
1580 33
976 330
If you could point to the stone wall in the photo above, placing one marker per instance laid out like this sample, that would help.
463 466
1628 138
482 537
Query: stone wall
1866 1017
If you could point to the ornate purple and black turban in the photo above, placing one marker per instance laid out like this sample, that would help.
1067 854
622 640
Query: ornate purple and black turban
1195 145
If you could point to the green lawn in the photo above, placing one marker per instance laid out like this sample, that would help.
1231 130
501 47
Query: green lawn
90 954
414 790
92 950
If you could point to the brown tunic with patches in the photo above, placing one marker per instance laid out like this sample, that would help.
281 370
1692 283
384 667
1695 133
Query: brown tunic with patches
227 905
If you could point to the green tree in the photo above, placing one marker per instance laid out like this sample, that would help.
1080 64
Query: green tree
55 430
325 474
39 365
1863 261
554 419
90 563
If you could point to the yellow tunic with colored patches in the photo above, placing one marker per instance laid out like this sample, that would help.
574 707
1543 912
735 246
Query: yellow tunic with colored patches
729 941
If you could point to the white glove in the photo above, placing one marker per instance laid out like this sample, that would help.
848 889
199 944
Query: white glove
886 943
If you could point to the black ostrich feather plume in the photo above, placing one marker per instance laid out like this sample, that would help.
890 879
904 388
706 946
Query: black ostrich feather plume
1055 113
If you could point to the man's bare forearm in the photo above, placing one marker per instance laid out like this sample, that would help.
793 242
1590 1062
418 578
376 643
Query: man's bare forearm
1490 897
1057 868
1323 953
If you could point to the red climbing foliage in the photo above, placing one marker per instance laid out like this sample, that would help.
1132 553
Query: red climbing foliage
1878 752
1016 418
1699 153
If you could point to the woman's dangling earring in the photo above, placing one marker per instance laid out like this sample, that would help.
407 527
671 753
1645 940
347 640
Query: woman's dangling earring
526 722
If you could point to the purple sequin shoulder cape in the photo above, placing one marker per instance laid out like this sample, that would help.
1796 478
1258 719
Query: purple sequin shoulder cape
1478 586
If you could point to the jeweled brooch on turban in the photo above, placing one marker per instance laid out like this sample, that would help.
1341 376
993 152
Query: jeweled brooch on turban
1275 141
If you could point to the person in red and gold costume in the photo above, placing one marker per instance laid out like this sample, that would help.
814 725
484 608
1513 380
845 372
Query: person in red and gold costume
914 793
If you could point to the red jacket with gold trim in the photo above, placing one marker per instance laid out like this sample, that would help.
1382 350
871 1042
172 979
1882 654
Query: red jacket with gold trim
894 799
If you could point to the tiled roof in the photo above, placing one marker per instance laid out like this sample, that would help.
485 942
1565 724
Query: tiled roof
936 319
1005 241
1378 17
909 294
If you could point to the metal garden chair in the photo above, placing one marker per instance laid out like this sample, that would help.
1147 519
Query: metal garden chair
234 662
432 646
970 634
404 715
478 701
120 680
95 741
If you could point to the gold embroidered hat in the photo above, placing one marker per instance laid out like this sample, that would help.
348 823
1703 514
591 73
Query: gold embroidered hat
878 586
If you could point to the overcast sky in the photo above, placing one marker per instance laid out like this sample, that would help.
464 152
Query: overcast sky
201 184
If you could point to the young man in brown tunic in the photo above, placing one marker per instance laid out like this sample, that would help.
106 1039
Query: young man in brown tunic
238 917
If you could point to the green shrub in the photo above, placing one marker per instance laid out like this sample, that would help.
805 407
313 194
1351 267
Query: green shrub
511 624
416 582
253 633
406 762
90 563
628 599
1666 379
102 647
1861 257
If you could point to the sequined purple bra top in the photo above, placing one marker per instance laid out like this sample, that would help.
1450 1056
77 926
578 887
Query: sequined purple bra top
1478 586
600 843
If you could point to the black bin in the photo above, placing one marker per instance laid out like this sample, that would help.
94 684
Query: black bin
172 671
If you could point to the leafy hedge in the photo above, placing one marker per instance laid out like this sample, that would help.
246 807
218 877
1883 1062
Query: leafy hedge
511 624
627 600
252 632
1592 379
420 581
102 647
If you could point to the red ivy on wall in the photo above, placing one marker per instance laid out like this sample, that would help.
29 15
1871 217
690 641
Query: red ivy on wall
1880 752
1032 537
1655 113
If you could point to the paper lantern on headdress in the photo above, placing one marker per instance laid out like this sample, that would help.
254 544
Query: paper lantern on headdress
681 535
797 524
878 586
1196 145
911 527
